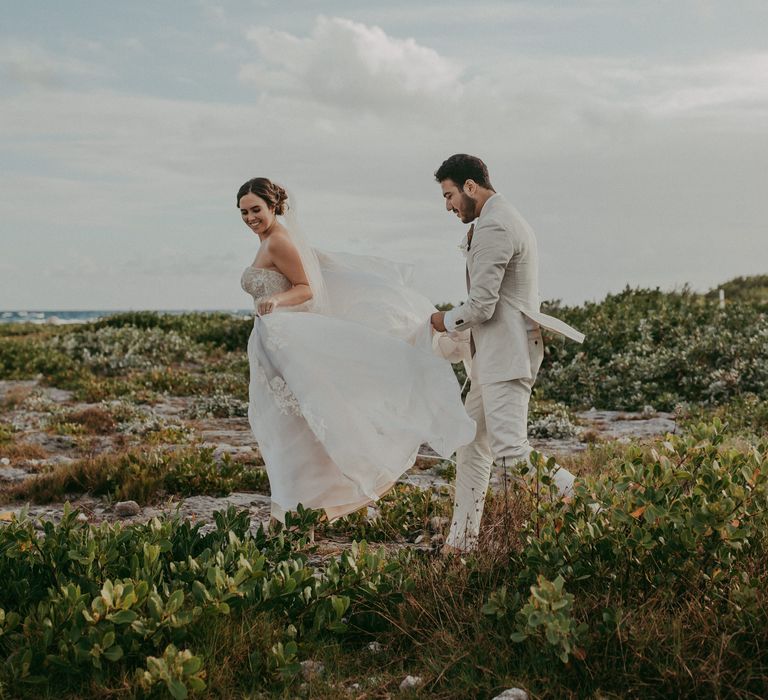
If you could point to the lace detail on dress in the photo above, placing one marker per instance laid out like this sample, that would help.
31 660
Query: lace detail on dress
262 283
284 398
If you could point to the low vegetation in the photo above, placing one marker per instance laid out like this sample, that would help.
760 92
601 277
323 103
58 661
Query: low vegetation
649 582
643 348
136 356
647 347
142 476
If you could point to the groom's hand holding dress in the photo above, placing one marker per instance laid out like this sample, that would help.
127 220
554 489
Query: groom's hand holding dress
437 321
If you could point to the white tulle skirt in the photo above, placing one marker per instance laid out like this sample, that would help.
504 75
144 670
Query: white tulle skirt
341 403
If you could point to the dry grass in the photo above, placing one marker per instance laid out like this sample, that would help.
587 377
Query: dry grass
590 437
140 476
241 644
598 457
93 419
15 396
19 451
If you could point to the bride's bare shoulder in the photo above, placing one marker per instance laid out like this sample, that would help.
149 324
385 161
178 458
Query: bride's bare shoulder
280 240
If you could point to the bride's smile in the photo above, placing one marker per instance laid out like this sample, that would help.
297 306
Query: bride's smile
256 214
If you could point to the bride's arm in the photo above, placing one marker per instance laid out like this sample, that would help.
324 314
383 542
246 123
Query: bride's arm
286 259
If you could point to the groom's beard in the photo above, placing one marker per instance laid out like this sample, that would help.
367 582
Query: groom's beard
467 209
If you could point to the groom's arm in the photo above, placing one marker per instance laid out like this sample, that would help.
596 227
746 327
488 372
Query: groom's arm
492 251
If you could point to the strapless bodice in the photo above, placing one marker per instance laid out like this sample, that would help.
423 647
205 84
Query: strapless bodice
262 283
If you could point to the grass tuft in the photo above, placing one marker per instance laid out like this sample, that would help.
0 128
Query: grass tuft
144 477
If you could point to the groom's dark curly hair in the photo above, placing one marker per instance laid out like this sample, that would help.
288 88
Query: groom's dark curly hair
462 167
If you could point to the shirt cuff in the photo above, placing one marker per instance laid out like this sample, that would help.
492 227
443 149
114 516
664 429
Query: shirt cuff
449 320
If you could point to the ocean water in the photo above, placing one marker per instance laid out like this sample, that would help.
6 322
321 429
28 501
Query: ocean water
64 317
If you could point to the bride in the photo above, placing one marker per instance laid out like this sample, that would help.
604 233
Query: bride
347 380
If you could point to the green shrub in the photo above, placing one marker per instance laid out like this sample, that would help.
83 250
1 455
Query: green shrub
112 351
550 420
402 513
24 358
6 432
548 616
83 605
218 405
751 289
747 414
682 521
647 347
26 329
220 330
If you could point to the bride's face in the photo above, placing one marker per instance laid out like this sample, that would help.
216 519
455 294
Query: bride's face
256 213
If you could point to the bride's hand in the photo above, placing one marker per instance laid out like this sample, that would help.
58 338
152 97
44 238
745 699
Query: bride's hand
267 306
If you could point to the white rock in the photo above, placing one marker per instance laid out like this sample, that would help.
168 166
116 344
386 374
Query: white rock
311 669
13 474
221 450
411 682
125 509
512 694
375 647
5 461
82 518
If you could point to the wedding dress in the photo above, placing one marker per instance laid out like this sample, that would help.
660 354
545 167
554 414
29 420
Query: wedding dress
340 401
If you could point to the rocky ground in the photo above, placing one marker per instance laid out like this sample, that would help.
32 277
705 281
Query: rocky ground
39 446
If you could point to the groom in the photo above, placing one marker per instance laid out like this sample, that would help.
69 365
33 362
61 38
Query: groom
503 317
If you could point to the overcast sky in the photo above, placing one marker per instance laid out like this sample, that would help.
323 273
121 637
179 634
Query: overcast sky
633 136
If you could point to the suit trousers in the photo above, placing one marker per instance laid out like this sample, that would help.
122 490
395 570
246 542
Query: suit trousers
500 410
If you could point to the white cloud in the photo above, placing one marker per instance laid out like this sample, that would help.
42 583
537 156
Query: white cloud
30 64
351 65
541 103
730 83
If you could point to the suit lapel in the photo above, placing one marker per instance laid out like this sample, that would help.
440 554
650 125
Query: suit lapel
470 233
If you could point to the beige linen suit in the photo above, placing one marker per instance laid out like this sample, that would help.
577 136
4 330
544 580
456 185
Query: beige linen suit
502 314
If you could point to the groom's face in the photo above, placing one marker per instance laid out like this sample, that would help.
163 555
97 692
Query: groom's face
458 201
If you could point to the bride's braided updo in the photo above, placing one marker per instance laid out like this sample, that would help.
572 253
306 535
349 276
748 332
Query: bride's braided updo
273 194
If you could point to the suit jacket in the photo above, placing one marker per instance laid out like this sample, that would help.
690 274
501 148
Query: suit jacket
503 303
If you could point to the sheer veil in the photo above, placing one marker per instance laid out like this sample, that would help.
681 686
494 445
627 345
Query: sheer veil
309 260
